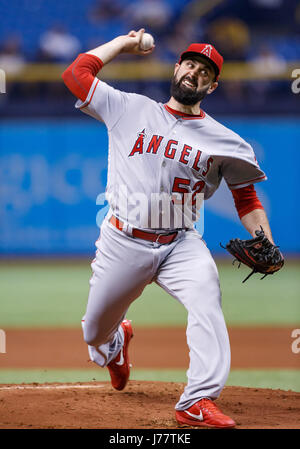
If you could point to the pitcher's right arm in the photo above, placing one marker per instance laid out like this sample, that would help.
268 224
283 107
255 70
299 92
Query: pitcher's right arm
80 75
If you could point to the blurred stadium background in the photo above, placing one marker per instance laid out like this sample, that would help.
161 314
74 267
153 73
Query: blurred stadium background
53 159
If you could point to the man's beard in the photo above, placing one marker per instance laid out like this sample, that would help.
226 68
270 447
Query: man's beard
185 95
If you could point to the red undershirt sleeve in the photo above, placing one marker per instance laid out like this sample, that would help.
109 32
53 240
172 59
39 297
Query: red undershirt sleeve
79 76
246 200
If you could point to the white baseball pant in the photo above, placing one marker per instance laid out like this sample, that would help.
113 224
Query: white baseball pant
185 269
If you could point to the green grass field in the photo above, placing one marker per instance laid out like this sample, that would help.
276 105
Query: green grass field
282 379
54 294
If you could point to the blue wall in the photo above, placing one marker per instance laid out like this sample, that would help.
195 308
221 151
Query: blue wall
52 172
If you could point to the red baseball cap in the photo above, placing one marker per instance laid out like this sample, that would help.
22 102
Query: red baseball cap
208 51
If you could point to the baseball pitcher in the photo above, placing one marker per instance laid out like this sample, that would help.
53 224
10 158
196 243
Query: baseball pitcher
178 153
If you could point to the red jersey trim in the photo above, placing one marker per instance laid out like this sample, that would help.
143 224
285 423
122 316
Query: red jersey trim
80 75
247 182
85 104
183 115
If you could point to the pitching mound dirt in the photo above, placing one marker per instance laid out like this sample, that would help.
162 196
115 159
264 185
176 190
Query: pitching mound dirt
142 405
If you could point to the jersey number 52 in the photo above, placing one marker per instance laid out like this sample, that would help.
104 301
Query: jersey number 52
182 186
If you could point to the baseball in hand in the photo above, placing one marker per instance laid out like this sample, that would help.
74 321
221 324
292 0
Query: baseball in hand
147 42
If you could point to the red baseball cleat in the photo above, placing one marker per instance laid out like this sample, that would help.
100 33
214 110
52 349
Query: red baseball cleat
119 367
204 413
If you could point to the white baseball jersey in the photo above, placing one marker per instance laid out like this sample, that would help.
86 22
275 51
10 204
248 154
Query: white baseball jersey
153 151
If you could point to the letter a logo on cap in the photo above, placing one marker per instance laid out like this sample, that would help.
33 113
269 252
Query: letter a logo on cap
207 50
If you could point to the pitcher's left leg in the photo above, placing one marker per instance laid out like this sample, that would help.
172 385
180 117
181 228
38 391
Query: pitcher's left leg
190 275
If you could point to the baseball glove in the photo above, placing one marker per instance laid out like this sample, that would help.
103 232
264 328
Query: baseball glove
257 253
